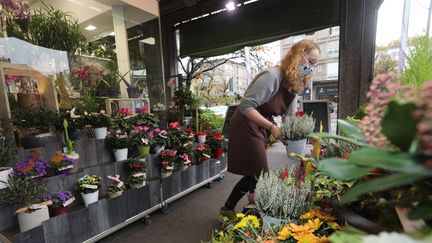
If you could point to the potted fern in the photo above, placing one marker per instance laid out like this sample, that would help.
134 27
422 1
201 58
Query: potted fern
27 193
295 129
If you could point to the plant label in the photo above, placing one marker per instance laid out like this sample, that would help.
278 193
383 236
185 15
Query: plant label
89 186
68 202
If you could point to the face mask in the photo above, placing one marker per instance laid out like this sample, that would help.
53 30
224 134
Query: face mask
305 69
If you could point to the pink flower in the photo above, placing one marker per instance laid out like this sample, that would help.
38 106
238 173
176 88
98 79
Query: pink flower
145 108
201 148
174 124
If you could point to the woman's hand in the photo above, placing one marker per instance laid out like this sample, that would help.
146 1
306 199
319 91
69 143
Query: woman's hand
276 132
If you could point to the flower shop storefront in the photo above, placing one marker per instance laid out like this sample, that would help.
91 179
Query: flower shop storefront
87 145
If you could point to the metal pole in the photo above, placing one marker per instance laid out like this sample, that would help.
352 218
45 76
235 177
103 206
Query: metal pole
404 35
428 19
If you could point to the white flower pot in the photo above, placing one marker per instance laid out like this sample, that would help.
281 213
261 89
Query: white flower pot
270 220
32 218
100 132
201 138
165 174
297 147
4 176
90 198
159 149
121 154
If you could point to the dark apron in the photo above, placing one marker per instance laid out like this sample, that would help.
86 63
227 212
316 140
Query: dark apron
247 141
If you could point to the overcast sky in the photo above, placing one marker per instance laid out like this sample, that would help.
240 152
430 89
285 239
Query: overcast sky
390 19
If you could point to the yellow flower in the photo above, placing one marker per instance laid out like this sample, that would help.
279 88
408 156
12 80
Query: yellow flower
309 215
305 237
221 234
240 215
334 225
326 217
248 220
241 224
314 224
285 233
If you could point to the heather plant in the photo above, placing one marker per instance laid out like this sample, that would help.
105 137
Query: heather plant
282 195
297 126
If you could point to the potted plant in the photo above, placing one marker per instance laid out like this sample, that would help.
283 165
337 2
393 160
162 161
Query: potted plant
119 144
167 160
137 165
115 187
136 180
142 136
71 154
216 145
295 130
7 154
88 186
100 123
203 152
281 197
60 202
32 166
183 161
159 140
61 163
24 191
132 85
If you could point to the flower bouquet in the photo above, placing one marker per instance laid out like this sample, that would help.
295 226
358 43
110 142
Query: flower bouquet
32 166
60 202
203 152
295 129
167 160
88 186
61 163
216 143
115 187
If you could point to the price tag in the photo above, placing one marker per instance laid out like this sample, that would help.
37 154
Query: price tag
138 174
65 168
120 184
89 186
71 200
169 168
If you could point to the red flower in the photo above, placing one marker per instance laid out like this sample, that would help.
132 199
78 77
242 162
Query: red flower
299 113
217 136
174 124
284 174
188 131
201 148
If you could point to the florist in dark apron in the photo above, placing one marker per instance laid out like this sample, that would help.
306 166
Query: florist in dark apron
271 93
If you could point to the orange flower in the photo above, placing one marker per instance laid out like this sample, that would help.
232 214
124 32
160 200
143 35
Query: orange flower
285 233
57 158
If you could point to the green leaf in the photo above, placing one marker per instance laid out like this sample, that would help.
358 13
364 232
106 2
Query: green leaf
337 137
342 169
422 211
399 115
350 130
381 184
397 162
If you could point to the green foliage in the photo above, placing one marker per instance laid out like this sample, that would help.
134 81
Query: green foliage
33 118
395 118
7 152
97 120
23 190
419 63
384 63
210 122
132 179
115 142
90 102
325 187
183 98
360 113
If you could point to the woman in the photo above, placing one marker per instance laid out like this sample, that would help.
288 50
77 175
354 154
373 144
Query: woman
270 94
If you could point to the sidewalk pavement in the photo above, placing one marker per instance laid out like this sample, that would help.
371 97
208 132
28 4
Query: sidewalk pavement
193 217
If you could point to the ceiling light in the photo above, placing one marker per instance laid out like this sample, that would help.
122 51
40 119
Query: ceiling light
95 9
230 6
90 27
149 40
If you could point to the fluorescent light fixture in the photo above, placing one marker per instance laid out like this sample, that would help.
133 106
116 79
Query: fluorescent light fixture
230 6
95 9
90 27
76 2
149 40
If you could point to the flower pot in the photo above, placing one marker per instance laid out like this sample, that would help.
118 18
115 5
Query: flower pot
158 149
100 132
60 211
115 194
133 92
201 138
270 220
165 174
143 149
4 176
90 197
29 219
138 185
121 154
217 153
297 147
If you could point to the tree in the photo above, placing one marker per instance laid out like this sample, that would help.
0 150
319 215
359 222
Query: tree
384 63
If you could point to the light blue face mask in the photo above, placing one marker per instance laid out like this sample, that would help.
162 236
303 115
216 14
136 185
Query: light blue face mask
305 69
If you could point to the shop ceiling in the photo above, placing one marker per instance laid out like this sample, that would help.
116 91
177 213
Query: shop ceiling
253 22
